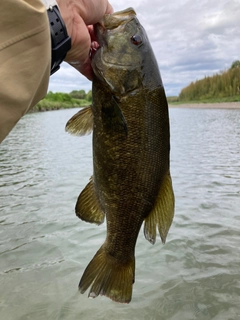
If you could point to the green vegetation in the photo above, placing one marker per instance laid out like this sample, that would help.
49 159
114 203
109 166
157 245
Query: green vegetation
59 100
223 87
173 99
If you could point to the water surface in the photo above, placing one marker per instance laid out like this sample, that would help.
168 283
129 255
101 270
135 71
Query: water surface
45 247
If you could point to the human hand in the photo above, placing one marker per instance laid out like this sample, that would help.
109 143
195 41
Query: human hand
79 16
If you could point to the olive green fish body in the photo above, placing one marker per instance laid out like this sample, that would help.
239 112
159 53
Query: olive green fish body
128 168
131 182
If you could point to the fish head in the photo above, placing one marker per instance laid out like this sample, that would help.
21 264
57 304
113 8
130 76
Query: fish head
123 45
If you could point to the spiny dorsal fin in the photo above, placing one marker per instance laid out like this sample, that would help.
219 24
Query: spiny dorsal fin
81 123
162 214
88 207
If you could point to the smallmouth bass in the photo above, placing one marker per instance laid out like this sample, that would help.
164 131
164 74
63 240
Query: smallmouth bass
131 182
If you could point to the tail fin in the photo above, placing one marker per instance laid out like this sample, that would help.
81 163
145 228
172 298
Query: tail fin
109 277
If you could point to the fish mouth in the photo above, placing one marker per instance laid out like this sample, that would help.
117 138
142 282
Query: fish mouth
109 22
114 20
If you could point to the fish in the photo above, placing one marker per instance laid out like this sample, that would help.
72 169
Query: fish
131 182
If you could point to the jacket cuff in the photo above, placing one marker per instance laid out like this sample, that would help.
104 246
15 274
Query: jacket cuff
49 3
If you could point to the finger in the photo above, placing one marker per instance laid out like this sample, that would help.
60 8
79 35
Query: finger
91 32
109 8
93 10
86 69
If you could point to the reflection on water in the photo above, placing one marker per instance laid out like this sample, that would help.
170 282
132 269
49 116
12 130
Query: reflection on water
45 247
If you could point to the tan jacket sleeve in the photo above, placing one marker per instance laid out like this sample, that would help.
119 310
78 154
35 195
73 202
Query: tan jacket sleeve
25 58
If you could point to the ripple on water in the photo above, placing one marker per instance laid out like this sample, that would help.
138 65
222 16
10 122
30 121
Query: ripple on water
45 247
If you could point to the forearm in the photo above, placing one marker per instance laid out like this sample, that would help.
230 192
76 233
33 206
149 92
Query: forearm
25 58
26 49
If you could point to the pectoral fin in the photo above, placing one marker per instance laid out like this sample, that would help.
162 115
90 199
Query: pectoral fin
81 123
113 118
162 214
88 207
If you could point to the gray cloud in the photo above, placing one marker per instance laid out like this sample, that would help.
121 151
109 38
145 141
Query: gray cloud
191 39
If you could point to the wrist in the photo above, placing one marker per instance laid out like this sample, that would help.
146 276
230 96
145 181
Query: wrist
61 42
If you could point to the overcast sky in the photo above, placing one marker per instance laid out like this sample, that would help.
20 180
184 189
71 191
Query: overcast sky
191 39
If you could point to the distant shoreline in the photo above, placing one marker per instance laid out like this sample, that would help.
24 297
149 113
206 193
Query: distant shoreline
216 105
220 105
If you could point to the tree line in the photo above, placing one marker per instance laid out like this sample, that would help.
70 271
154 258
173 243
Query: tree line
60 100
69 97
225 85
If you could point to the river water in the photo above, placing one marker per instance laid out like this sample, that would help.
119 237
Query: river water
45 247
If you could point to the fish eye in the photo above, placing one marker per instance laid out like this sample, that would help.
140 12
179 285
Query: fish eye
136 39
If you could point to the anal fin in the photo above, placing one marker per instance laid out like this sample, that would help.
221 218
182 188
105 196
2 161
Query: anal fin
162 213
88 207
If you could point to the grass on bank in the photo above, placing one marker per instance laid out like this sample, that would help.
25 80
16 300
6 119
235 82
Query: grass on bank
45 105
59 100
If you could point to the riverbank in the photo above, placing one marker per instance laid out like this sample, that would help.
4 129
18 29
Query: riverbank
220 105
46 106
60 100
